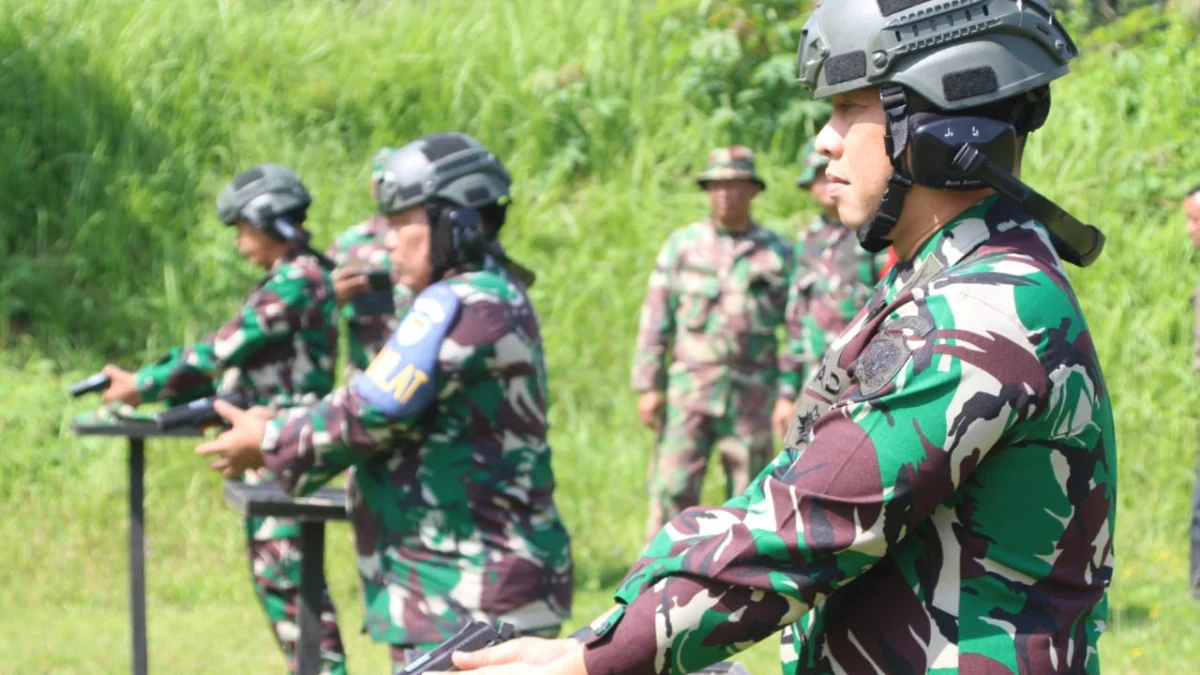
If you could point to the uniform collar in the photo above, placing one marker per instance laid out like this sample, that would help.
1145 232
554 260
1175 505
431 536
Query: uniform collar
752 232
952 242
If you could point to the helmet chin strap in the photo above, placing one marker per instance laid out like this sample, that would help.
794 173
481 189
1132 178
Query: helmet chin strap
873 236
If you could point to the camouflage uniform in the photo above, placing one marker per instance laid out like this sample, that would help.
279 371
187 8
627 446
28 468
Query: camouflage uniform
280 349
945 500
833 279
452 508
370 316
715 301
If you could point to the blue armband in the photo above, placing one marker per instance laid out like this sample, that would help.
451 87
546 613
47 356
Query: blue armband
400 380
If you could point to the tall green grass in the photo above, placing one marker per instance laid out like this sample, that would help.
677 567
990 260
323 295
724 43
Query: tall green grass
121 119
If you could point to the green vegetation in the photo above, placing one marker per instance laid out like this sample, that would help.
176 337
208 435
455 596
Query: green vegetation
122 118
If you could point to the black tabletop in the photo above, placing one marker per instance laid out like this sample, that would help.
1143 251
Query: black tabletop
270 500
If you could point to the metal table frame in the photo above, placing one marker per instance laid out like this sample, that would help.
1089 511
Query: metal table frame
137 432
312 512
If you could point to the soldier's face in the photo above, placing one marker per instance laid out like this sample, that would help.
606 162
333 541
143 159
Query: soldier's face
730 199
858 170
408 240
820 191
1192 208
255 247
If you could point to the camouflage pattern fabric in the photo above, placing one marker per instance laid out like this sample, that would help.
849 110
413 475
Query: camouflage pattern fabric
743 443
715 302
833 280
275 564
945 500
732 163
363 247
280 348
453 511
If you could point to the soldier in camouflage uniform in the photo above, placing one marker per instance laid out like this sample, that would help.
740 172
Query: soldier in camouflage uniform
279 350
831 283
370 314
1191 207
946 495
716 299
453 507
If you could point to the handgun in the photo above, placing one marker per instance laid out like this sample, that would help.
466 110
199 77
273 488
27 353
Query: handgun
472 637
379 280
94 383
199 413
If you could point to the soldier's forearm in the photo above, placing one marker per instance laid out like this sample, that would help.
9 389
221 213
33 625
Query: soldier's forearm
698 612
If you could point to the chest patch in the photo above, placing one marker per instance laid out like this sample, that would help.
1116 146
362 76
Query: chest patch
888 352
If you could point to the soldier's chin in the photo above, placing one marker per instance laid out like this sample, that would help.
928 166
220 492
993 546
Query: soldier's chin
852 220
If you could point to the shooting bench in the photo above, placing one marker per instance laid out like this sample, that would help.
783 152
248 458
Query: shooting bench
312 512
137 432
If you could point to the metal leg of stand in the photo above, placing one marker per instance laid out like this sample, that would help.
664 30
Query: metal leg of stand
312 577
137 559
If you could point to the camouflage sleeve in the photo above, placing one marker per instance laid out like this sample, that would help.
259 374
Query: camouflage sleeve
880 460
306 447
152 379
793 361
274 310
657 324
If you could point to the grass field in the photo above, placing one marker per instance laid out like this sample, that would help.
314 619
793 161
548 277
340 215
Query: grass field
121 120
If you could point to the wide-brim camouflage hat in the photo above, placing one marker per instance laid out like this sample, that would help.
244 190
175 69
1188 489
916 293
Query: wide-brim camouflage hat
732 163
814 162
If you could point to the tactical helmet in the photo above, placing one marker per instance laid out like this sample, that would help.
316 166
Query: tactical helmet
813 162
962 55
956 55
377 163
465 191
266 191
452 167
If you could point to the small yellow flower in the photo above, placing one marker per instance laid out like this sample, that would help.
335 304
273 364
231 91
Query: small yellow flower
1154 613
1126 573
1164 555
1136 653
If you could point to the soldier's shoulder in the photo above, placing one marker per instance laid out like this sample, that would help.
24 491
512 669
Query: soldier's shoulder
355 234
775 240
302 269
999 286
690 233
488 285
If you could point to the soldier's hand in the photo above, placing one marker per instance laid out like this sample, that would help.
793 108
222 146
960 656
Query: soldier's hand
239 447
123 388
782 416
348 283
650 409
525 656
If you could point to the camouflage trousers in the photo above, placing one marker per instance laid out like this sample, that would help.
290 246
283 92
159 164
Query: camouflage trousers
274 548
402 655
681 457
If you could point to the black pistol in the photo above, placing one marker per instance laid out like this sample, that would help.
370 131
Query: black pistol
97 382
199 413
474 636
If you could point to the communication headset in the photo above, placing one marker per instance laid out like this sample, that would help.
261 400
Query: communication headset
457 235
967 152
